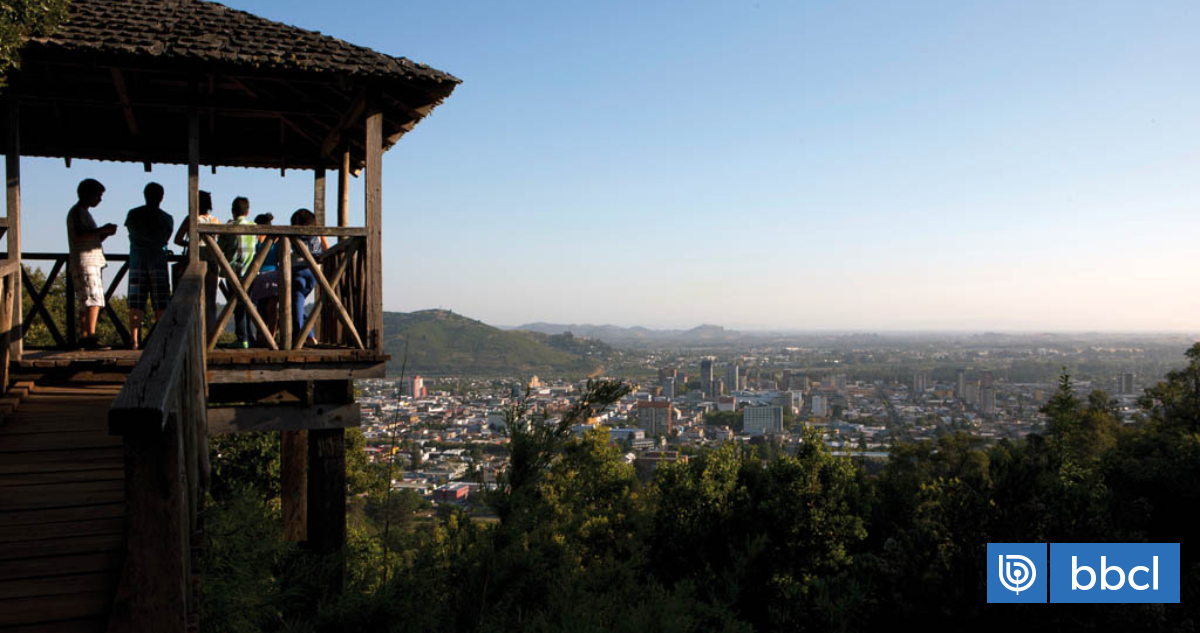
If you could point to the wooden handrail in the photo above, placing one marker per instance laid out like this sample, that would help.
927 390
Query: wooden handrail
150 391
162 414
114 257
293 231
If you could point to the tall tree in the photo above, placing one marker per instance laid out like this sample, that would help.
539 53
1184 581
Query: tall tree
21 19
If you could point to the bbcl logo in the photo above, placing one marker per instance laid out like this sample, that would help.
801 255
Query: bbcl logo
1083 572
1114 572
1017 573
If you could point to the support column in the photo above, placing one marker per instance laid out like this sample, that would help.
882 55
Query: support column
374 216
327 497
12 291
293 467
319 195
193 186
343 209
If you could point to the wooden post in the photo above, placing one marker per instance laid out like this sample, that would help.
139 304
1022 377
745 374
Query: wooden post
327 496
343 209
319 195
374 216
193 186
159 549
285 292
293 467
12 168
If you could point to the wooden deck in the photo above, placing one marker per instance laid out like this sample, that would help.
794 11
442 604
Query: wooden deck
62 510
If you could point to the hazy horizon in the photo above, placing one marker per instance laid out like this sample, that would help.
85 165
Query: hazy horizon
776 165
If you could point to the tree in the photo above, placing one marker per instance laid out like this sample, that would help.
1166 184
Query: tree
21 19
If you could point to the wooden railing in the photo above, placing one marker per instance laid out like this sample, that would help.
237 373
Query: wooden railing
340 294
161 412
68 336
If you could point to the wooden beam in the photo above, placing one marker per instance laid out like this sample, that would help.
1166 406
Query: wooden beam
282 372
193 186
282 418
374 220
239 290
145 401
343 209
335 135
319 195
293 473
298 392
12 169
159 553
282 229
119 83
329 294
284 303
327 499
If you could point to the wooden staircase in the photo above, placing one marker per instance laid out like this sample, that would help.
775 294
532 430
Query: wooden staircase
62 509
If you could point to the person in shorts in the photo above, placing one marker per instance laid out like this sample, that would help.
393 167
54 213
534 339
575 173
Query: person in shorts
86 259
149 229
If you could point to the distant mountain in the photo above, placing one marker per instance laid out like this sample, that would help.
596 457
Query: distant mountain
640 336
442 342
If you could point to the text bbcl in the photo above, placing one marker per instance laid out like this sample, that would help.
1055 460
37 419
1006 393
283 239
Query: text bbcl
1147 575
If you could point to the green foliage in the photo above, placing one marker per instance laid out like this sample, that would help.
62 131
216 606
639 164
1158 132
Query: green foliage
731 419
740 538
37 334
21 19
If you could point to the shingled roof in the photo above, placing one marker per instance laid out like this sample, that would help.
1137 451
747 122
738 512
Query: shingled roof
194 30
117 80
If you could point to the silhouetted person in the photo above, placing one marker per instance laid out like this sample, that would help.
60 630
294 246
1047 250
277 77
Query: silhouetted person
86 259
210 277
239 250
149 231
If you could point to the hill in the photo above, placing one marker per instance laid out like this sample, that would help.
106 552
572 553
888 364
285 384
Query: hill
642 337
442 342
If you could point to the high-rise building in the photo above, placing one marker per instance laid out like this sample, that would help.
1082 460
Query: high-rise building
665 373
985 379
918 384
960 387
798 382
820 406
988 396
762 419
1125 384
785 400
718 387
668 387
732 377
415 387
971 397
655 417
706 377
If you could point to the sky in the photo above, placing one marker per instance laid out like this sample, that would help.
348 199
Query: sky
779 164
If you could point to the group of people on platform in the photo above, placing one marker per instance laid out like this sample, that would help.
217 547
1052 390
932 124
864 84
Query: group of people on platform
150 230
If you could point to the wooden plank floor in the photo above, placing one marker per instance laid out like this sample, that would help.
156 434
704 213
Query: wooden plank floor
62 510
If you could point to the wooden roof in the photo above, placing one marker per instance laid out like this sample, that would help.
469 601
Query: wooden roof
117 81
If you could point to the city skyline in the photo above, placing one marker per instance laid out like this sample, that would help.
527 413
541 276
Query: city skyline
767 166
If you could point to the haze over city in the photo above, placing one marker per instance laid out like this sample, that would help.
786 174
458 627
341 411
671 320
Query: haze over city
767 165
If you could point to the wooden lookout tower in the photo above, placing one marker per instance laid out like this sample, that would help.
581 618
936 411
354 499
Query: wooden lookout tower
103 454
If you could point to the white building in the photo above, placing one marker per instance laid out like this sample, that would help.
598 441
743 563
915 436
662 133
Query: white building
762 419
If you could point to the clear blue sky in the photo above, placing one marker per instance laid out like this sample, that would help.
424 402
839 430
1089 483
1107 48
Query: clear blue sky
771 164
